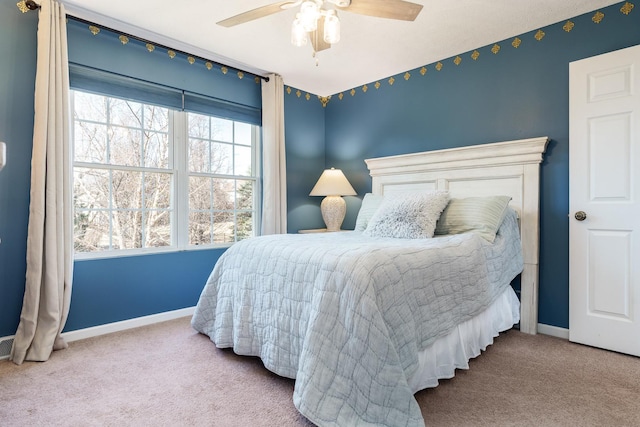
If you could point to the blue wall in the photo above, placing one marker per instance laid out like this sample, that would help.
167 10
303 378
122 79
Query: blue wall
517 93
17 80
113 289
304 135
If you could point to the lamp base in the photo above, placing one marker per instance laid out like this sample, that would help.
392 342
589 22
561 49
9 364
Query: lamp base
333 210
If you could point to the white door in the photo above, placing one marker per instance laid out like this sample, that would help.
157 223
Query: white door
604 201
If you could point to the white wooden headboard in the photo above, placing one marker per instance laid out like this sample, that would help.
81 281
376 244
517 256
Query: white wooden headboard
509 168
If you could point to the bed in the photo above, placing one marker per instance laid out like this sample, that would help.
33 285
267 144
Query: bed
362 322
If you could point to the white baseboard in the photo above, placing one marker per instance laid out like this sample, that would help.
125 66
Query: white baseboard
123 325
554 331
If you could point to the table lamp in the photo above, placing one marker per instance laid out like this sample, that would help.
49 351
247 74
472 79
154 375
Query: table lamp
333 184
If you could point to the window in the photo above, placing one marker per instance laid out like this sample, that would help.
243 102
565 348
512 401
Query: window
148 178
221 182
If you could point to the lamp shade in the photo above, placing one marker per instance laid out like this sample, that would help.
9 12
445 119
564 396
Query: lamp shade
332 182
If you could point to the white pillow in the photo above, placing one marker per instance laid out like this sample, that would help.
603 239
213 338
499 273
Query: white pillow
481 215
408 216
370 205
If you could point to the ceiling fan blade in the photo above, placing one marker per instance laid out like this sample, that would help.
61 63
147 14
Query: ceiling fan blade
317 37
256 13
390 9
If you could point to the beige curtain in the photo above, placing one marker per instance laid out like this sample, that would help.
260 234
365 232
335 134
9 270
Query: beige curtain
274 171
47 292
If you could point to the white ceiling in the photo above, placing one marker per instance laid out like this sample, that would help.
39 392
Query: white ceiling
370 48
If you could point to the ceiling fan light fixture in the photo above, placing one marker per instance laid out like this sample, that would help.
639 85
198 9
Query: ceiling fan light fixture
331 27
298 33
309 14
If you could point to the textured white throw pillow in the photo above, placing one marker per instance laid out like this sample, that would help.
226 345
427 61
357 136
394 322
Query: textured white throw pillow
408 216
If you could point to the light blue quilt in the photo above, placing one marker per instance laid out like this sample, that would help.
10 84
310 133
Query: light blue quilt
346 315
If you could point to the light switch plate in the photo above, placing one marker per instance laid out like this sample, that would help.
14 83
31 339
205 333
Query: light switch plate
3 154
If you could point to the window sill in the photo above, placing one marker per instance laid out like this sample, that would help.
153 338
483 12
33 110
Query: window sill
86 256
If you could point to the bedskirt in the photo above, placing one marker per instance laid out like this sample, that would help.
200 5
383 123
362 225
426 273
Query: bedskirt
454 350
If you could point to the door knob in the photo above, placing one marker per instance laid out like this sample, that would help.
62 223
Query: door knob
581 216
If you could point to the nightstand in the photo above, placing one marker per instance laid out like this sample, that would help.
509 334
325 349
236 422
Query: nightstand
318 230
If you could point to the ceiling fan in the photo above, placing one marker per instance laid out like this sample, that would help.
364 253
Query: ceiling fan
320 24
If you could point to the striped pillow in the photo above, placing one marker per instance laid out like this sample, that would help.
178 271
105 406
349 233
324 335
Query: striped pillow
370 205
482 215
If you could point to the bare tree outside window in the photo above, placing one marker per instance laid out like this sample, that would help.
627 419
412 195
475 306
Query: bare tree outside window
125 177
220 205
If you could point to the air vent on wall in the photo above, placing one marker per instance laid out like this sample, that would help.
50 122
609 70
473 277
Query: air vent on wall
5 347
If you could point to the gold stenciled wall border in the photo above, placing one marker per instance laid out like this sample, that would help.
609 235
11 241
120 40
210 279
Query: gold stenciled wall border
95 30
515 43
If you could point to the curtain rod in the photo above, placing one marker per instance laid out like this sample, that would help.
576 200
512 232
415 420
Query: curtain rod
32 5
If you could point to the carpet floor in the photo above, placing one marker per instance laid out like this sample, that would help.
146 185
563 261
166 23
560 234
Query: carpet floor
168 375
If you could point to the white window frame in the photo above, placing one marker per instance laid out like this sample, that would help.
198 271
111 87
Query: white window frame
178 167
